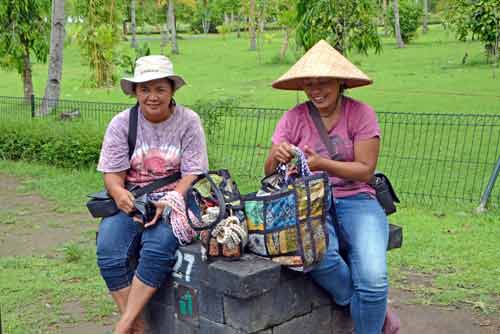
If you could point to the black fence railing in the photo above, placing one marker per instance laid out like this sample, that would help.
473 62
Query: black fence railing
429 157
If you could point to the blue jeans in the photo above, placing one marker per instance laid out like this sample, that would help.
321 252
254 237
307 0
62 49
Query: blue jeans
361 278
121 238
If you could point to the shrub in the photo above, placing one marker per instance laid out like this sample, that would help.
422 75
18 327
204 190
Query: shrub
62 144
409 19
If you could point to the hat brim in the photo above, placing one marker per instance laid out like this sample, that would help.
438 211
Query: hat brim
127 84
297 82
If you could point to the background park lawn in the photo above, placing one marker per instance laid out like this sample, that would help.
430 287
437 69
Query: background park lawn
426 76
455 250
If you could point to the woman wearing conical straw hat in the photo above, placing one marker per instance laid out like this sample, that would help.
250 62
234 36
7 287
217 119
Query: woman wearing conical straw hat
354 133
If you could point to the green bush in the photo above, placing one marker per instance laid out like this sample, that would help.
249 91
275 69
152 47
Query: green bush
63 144
409 19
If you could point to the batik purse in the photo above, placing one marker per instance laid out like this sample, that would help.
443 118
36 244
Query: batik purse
288 224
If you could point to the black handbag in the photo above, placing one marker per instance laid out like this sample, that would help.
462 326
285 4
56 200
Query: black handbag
101 204
384 191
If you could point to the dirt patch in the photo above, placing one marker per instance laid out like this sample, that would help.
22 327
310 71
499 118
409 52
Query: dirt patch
29 224
430 319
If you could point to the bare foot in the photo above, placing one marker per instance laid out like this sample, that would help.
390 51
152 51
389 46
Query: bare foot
139 326
123 328
392 324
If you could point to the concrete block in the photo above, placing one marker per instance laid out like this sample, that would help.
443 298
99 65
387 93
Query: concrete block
211 304
211 327
342 320
159 318
183 327
284 302
319 321
251 276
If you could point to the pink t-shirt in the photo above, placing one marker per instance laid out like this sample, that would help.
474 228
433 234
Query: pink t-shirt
357 122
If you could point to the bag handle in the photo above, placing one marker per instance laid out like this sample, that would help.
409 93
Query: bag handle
218 196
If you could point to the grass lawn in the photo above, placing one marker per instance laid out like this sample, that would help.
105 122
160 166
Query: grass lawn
427 76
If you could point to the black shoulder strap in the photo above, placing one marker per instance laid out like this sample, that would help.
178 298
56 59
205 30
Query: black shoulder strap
313 112
132 129
156 184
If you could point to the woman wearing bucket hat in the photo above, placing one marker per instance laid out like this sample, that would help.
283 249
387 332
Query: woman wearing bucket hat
170 140
360 277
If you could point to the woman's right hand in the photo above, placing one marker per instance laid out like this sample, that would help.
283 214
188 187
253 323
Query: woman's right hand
124 200
283 153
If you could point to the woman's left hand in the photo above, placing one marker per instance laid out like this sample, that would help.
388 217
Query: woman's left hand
314 160
160 206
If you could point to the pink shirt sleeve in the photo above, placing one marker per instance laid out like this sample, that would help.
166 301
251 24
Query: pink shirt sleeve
288 127
365 123
114 151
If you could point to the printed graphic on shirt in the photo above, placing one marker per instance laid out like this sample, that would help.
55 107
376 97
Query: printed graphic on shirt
343 151
151 163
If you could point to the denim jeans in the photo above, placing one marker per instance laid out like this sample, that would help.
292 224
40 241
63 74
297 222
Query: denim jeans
361 277
121 238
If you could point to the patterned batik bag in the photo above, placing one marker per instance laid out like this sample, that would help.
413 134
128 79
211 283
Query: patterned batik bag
222 227
286 221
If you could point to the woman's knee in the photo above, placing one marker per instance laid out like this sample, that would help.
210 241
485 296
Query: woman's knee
159 242
372 280
115 239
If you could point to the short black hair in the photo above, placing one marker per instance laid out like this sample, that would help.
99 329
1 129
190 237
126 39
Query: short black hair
170 81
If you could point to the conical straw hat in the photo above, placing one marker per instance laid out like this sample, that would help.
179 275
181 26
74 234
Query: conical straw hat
322 61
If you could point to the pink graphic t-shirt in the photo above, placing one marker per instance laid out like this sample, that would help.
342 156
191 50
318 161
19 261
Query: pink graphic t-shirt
162 149
357 122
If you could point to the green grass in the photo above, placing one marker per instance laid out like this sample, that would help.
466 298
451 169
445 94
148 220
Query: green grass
426 76
456 250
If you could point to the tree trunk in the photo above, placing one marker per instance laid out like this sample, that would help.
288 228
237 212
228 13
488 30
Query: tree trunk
284 46
172 28
399 39
425 27
251 26
386 28
27 80
133 24
125 30
53 87
164 32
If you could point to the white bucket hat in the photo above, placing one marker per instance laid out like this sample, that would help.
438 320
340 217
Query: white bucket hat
150 68
322 61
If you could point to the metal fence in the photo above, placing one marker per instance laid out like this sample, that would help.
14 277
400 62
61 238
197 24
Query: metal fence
446 158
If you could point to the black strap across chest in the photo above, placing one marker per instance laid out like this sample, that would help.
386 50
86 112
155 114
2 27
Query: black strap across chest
132 139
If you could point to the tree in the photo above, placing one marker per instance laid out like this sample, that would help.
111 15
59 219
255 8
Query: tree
53 87
425 27
24 32
384 9
172 27
287 18
397 26
476 19
99 35
346 24
133 24
251 26
409 14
